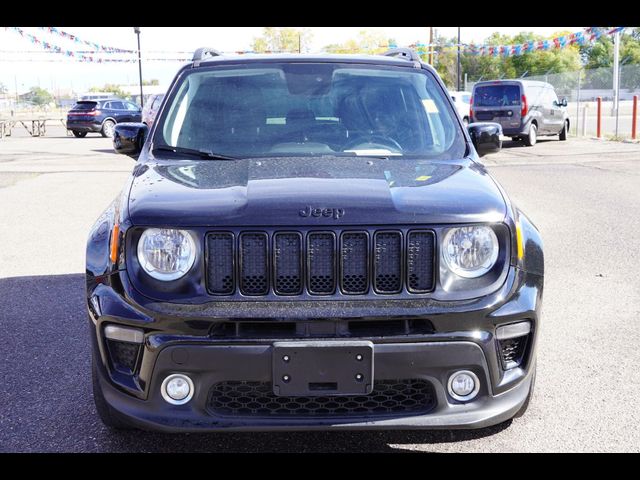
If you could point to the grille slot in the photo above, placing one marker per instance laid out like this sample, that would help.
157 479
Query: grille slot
420 251
287 263
220 256
254 276
387 265
321 262
256 399
354 261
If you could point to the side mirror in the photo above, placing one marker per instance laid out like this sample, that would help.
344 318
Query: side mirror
563 102
128 138
486 137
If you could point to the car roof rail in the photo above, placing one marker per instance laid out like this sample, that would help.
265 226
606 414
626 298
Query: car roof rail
404 53
204 53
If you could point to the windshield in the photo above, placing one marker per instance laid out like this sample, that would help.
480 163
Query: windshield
496 96
310 109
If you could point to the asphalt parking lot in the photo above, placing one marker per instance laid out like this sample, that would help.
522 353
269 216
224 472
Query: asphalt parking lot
583 195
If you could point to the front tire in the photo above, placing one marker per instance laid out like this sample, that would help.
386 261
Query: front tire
78 134
563 133
105 412
532 137
107 128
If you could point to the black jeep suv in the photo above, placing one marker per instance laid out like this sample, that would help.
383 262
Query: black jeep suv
311 242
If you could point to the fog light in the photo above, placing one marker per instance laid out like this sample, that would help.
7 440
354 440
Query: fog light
177 389
463 385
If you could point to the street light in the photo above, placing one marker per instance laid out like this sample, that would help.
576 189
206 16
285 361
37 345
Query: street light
137 32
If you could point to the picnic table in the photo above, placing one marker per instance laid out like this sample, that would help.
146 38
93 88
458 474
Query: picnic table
36 126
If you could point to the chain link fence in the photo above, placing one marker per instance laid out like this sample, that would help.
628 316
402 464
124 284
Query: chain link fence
582 88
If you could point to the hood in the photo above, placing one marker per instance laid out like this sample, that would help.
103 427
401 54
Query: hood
312 191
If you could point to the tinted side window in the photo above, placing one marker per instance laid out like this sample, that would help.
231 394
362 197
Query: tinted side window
107 106
117 106
131 107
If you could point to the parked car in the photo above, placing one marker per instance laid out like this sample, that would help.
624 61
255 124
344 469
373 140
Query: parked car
101 116
462 101
151 107
526 109
311 242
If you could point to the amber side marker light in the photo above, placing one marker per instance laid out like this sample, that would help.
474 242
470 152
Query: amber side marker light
519 241
115 236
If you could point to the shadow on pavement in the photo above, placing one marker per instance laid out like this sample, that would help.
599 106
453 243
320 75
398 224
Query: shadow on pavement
48 404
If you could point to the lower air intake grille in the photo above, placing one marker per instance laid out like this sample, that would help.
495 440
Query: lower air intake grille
124 355
388 262
512 351
254 276
256 399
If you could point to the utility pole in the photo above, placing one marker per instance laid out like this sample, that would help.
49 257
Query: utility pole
458 69
137 31
430 46
299 42
616 71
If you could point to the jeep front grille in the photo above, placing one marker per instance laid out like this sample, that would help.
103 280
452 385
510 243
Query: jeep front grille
320 263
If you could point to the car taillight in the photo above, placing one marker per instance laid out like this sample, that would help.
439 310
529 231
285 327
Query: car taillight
93 113
525 107
470 108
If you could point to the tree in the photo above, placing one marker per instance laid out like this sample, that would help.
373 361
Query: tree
110 88
275 39
367 42
38 96
152 82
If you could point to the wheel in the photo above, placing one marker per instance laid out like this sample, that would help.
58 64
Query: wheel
531 139
106 414
565 129
78 134
107 128
525 405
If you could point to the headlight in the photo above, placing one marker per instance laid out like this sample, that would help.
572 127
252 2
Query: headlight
470 252
166 254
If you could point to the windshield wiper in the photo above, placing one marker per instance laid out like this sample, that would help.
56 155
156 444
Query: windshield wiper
195 153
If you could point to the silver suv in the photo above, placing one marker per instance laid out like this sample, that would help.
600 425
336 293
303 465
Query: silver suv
525 109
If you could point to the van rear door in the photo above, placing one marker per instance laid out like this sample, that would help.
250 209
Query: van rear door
498 102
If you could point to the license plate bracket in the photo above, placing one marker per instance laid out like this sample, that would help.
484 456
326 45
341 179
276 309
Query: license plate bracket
322 368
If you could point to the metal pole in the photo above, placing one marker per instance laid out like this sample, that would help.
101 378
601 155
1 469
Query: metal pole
617 105
458 70
578 105
616 71
634 120
465 82
599 118
137 30
430 45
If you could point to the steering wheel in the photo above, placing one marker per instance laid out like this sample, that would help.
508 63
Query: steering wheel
374 141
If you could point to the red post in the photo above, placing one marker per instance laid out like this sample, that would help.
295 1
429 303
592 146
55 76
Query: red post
599 134
634 120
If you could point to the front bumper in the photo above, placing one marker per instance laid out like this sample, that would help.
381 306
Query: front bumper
463 339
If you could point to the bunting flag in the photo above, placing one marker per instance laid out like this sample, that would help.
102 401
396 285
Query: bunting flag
74 38
589 34
82 56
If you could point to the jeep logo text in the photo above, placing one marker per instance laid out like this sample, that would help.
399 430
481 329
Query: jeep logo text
334 213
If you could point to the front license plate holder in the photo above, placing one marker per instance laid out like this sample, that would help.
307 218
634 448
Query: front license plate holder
313 369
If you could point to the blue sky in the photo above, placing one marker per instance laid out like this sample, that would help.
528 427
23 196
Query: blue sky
53 71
